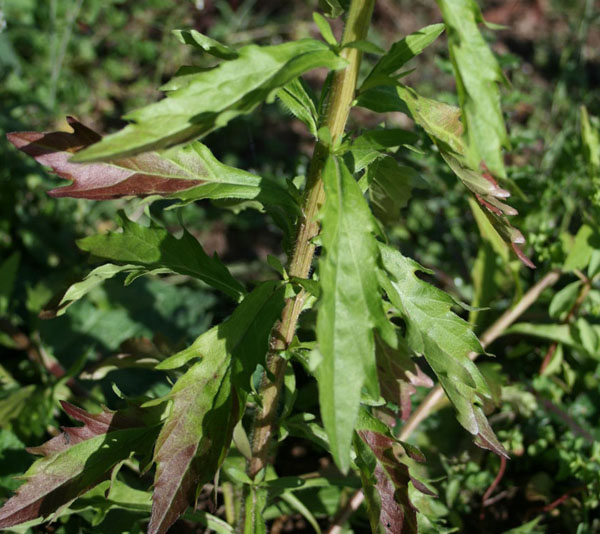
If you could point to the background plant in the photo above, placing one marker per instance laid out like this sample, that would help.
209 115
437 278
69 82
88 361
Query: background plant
495 286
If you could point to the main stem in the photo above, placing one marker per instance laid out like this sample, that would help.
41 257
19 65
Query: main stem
338 106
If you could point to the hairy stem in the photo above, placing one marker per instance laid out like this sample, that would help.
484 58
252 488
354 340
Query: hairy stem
339 102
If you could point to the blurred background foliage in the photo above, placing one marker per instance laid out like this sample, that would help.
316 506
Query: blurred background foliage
96 59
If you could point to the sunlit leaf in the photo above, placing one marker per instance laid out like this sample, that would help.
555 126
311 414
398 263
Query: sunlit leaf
350 307
295 97
155 248
77 460
210 99
206 44
477 76
445 340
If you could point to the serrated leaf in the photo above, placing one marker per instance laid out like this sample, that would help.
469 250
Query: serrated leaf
401 52
399 374
350 307
445 340
75 461
195 437
206 44
442 123
385 481
390 187
373 144
188 173
208 100
477 76
296 98
155 248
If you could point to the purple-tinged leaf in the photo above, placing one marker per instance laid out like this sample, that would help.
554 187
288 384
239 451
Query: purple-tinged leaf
385 479
76 461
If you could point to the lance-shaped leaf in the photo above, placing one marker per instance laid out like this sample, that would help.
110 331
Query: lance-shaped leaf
385 477
188 173
206 44
77 460
205 407
445 340
477 76
295 96
442 123
194 438
400 53
197 104
398 374
155 248
350 307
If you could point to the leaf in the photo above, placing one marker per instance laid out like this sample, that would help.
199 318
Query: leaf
561 333
8 275
587 240
385 479
333 8
195 437
390 188
373 144
75 461
155 248
442 123
590 138
205 43
350 307
208 100
11 405
401 52
296 98
564 300
398 374
188 173
445 340
477 76
325 29
244 335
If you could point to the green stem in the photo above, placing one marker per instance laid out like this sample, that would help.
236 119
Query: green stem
338 107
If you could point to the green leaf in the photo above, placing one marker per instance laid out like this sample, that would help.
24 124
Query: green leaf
590 138
11 405
373 144
155 248
587 240
244 335
8 276
208 100
205 43
401 53
564 300
390 188
477 76
325 29
194 438
76 460
562 333
296 98
445 340
350 307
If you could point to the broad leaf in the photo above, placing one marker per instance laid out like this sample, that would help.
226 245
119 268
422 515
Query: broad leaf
442 123
350 307
195 437
77 460
210 99
385 477
155 248
445 340
188 173
477 76
400 53
205 407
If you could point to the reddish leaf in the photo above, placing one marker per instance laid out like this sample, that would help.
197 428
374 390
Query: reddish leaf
141 175
74 462
396 513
